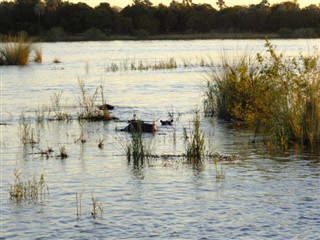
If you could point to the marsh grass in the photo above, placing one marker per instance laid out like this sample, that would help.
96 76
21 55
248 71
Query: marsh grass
27 135
88 106
78 204
37 54
15 50
195 149
276 96
30 190
146 65
58 110
62 152
97 209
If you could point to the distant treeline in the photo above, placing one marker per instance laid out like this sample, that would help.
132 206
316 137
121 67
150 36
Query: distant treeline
54 19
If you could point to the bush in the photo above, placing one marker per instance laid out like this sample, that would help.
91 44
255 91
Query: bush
56 34
274 95
94 34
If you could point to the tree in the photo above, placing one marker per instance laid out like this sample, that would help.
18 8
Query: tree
221 4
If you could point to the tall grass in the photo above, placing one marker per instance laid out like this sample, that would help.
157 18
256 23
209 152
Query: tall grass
15 50
29 190
196 142
274 95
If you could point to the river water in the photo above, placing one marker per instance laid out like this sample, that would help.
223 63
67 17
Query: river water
262 195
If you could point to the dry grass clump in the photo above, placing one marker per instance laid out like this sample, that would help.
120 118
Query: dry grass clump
16 50
29 190
274 95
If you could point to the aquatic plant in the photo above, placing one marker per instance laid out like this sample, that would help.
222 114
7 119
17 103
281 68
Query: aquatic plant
96 207
274 95
15 50
58 109
78 203
89 110
29 190
37 54
27 135
63 152
100 143
196 143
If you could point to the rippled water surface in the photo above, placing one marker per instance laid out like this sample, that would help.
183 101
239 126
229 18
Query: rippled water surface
260 196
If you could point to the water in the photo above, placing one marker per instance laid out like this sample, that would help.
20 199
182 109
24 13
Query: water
261 196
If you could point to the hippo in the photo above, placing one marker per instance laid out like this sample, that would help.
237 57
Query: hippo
106 106
140 127
166 122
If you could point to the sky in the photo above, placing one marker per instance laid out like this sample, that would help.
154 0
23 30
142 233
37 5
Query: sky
123 3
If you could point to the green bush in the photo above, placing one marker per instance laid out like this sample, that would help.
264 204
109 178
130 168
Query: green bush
274 95
94 34
56 34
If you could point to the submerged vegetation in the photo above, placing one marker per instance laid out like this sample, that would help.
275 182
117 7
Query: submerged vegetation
275 96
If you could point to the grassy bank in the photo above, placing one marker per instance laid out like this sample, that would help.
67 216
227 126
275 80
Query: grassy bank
275 96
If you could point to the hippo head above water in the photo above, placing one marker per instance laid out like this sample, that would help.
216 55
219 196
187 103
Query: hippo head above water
140 127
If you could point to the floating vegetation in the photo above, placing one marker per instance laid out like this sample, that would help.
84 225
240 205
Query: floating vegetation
277 97
56 60
29 190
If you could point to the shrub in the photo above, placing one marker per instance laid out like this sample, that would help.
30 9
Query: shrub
56 34
94 34
276 96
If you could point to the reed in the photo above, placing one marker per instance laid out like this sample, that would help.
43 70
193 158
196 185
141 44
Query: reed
88 108
27 135
276 96
29 190
196 143
15 50
78 204
96 207
37 54
59 112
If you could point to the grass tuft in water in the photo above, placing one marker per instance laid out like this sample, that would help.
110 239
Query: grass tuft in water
29 190
96 207
15 50
27 135
196 142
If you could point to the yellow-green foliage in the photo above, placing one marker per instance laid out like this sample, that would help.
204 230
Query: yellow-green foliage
15 51
273 94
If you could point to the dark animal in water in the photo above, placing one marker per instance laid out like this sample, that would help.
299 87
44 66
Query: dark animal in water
140 127
166 122
106 106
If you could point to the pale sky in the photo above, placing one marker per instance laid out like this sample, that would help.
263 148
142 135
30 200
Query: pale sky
123 3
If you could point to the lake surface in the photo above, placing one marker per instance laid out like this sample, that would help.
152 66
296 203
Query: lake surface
260 196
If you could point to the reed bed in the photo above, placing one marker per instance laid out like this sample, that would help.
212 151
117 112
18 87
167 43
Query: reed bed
275 96
171 63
